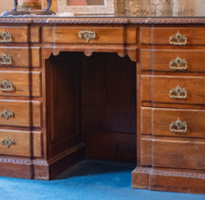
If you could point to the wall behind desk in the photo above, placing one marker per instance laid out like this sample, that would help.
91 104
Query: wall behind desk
6 5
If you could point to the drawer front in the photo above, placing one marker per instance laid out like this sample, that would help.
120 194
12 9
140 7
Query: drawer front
173 36
19 57
18 113
13 34
179 153
18 83
97 35
173 122
172 60
173 89
19 143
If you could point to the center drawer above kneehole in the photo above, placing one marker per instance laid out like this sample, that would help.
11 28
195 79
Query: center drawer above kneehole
173 89
90 35
172 36
173 60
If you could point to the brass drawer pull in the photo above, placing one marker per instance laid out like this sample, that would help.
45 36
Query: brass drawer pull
6 114
178 93
6 86
7 142
5 37
178 126
5 59
87 35
178 39
178 64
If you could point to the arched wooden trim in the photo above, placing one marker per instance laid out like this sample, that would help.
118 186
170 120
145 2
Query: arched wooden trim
47 52
121 53
56 52
88 53
132 53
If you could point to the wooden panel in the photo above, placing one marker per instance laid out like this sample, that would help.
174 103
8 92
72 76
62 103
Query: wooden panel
48 34
140 179
21 113
22 146
146 151
145 88
146 120
108 94
35 57
146 59
105 35
19 33
145 35
20 56
37 144
63 102
21 83
35 34
110 146
131 35
20 168
179 153
177 181
159 60
162 118
161 86
195 36
63 77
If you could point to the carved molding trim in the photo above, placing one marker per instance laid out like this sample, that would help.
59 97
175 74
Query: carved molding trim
23 161
143 170
17 161
178 174
40 162
81 20
103 20
152 171
16 20
167 20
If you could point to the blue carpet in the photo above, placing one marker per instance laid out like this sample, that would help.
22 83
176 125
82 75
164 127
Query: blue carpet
88 180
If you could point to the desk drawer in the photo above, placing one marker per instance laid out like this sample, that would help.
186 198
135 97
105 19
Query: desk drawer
179 153
18 143
173 122
172 36
173 60
19 57
173 89
18 83
18 113
13 34
94 35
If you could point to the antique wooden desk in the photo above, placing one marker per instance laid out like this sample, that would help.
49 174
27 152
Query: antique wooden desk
104 88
